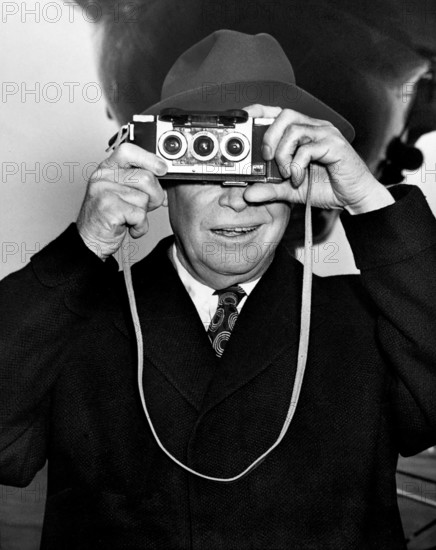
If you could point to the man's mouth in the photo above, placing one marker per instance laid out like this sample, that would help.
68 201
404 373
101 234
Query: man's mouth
234 231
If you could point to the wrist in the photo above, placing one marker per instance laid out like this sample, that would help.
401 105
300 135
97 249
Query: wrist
378 198
94 246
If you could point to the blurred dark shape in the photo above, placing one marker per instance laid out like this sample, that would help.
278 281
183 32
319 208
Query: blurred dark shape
362 58
422 117
399 157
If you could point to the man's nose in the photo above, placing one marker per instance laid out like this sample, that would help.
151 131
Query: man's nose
233 197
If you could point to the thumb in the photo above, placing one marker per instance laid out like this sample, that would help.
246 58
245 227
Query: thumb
269 192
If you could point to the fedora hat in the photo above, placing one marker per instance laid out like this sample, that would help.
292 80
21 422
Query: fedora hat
230 70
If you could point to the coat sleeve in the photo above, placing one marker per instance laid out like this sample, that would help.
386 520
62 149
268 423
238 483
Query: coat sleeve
395 249
42 306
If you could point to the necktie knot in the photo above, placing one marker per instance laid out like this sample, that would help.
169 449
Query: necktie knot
230 296
225 317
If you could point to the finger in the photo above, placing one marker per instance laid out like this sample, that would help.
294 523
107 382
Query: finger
131 155
270 192
287 117
133 197
262 111
131 178
137 231
135 218
313 152
113 214
147 182
294 137
138 198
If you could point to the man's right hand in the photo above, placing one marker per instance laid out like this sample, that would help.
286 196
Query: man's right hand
120 193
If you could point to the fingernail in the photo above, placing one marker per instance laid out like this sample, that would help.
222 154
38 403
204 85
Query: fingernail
266 152
285 170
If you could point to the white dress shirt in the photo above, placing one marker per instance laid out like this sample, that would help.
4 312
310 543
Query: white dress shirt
203 296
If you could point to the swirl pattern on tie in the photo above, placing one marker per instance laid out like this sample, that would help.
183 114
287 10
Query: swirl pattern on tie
225 317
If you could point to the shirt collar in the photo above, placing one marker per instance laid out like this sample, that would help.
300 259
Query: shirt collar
203 297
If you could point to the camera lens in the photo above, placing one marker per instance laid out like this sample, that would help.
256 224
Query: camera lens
204 146
234 147
172 144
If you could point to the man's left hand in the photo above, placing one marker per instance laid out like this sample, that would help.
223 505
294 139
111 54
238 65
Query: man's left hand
340 177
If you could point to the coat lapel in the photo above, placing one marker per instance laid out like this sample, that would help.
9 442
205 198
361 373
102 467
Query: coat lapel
175 341
268 324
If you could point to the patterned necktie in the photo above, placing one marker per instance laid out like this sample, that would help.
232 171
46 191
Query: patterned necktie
225 317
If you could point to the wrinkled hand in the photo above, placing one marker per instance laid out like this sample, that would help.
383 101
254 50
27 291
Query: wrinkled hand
340 177
120 193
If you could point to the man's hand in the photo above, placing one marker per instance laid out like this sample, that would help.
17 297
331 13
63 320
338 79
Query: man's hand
120 193
340 177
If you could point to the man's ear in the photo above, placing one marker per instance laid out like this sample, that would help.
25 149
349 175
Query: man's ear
165 201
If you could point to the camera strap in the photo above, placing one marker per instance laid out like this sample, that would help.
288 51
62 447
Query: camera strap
302 346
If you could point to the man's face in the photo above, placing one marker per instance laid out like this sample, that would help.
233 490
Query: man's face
221 238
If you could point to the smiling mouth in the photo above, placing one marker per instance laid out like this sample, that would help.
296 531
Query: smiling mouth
235 231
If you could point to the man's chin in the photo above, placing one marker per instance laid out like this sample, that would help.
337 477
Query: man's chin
236 257
240 268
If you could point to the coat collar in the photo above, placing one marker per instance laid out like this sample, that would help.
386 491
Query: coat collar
178 346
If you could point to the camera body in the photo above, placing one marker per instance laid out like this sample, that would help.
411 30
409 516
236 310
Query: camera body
222 147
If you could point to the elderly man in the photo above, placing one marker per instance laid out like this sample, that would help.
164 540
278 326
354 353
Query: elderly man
218 402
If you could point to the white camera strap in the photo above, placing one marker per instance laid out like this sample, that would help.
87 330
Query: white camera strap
302 346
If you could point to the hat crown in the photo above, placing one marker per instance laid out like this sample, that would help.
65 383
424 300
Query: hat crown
227 56
230 70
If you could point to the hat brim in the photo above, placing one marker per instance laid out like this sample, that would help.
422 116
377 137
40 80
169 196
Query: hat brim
237 95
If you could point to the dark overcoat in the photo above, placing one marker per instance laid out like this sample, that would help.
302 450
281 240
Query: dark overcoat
69 394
